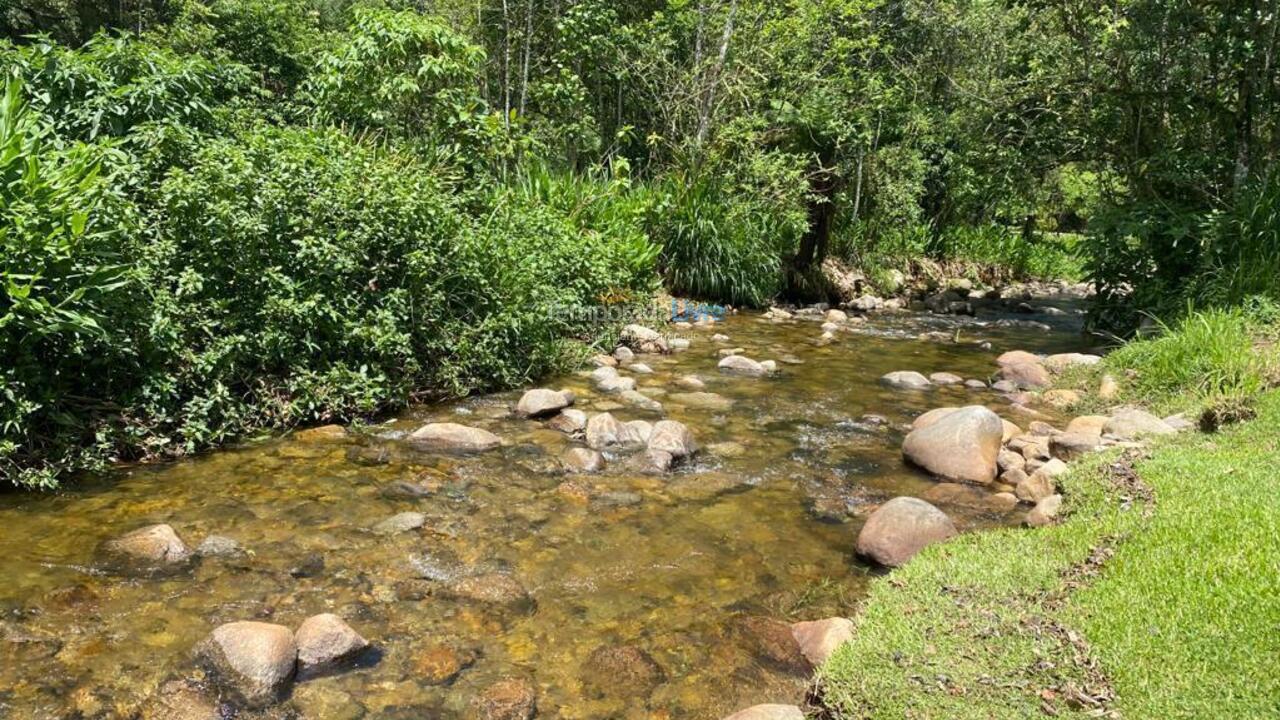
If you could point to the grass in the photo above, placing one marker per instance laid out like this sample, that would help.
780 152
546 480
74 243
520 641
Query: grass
1204 359
1141 608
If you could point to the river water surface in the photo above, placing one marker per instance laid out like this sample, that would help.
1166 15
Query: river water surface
761 524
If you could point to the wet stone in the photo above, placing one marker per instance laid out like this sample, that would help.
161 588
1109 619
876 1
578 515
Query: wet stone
772 642
624 670
403 522
492 589
441 663
507 699
215 546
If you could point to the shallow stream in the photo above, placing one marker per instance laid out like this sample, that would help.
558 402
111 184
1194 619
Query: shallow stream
760 525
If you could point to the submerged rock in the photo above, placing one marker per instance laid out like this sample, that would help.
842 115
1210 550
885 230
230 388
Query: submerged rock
901 528
584 460
703 400
441 663
962 445
325 641
179 700
452 437
621 669
506 699
490 588
253 660
945 378
772 641
403 522
219 546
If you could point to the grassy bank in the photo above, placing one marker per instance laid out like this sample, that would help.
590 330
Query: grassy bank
1156 597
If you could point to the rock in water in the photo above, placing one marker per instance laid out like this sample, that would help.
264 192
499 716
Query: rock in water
772 641
1026 376
492 589
1017 357
742 365
151 550
543 402
325 641
507 699
818 639
768 712
604 431
403 522
963 445
452 437
644 340
672 437
622 670
906 380
253 660
901 528
568 421
580 459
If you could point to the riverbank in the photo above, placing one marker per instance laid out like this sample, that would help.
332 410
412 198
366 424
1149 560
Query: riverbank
1156 597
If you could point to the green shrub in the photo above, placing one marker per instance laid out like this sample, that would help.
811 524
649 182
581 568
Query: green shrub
1241 257
66 292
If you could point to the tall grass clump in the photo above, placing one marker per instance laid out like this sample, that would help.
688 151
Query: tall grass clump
1242 249
716 245
1204 357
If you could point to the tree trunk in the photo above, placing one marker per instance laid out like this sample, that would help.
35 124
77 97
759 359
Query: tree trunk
713 80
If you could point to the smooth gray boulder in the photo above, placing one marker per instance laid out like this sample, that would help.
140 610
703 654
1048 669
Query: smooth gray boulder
673 437
963 445
152 550
742 365
326 641
906 380
543 402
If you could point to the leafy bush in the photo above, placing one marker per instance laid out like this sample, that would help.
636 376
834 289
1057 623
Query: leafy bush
112 85
66 290
1241 258
403 73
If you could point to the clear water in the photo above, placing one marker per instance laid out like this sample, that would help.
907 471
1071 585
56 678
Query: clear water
670 564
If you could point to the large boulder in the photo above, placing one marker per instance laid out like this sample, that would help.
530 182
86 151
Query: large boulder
1132 424
644 340
768 712
931 417
901 528
962 445
672 437
151 550
742 365
543 402
452 437
1017 357
253 660
604 431
325 641
818 639
906 380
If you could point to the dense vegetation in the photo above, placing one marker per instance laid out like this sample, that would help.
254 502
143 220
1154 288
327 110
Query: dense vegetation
219 215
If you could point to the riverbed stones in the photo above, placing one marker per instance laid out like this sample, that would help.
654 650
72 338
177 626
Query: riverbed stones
569 421
608 380
772 642
963 445
818 639
1045 511
931 417
703 401
1072 446
621 670
640 368
325 642
219 546
644 340
507 699
152 550
900 528
1134 424
254 660
453 437
836 316
673 437
1035 488
440 663
742 365
691 382
768 712
543 402
604 431
623 355
1009 460
322 433
495 588
637 399
906 380
582 460
945 378
399 523
975 384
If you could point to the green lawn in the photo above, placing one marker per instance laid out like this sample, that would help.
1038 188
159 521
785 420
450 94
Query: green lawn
1164 609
